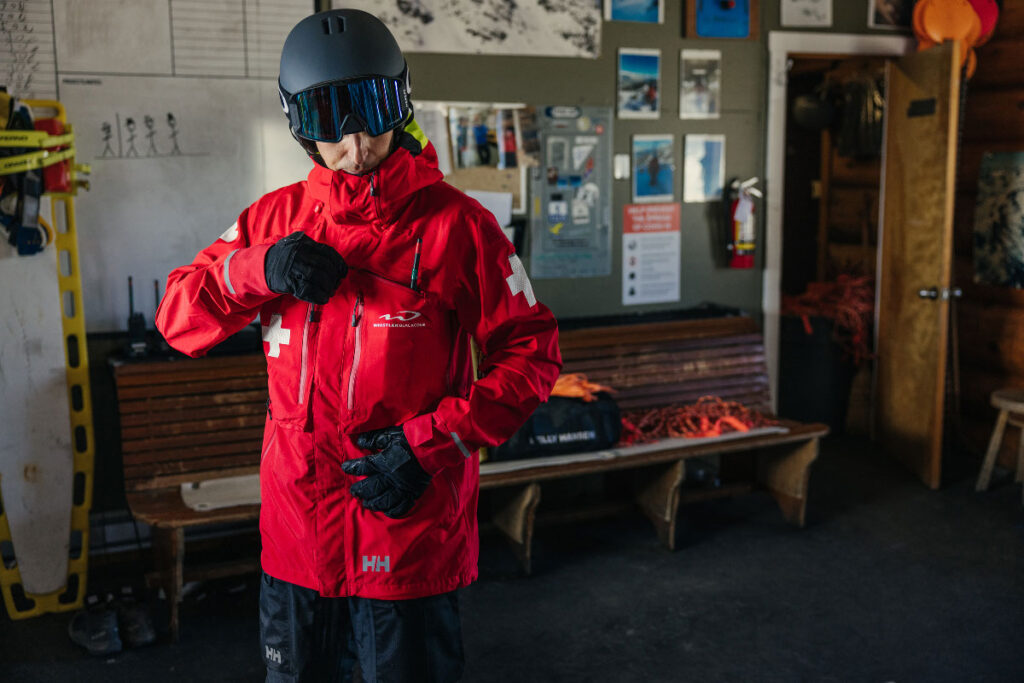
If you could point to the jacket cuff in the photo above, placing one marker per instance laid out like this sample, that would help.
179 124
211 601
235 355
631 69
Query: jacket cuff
433 444
244 273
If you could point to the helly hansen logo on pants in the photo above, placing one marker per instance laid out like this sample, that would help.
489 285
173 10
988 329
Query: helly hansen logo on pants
376 563
273 655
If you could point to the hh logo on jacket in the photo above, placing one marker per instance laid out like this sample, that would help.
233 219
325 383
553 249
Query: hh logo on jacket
376 563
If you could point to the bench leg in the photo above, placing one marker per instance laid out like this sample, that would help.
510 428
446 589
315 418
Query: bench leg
515 519
658 497
169 551
785 472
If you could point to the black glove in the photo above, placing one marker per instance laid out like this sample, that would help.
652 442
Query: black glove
394 477
306 269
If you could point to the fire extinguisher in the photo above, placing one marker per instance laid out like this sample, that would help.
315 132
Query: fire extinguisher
739 207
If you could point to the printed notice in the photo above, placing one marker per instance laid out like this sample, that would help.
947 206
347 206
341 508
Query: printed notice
651 253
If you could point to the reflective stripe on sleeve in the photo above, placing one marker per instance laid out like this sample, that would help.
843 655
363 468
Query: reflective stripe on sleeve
462 446
227 275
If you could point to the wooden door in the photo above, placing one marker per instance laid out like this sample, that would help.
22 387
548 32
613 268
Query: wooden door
919 159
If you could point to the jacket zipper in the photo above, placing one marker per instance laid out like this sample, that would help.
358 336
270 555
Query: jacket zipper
310 311
357 317
375 193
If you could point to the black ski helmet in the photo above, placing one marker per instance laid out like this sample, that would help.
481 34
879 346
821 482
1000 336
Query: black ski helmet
334 47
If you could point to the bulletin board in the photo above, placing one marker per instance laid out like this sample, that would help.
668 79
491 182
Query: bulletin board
571 225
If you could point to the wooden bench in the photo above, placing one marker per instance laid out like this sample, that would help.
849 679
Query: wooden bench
653 365
193 420
184 421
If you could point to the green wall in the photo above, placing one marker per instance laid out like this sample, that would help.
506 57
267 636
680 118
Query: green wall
537 80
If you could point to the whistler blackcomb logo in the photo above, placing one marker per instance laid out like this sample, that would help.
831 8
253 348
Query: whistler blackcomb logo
402 319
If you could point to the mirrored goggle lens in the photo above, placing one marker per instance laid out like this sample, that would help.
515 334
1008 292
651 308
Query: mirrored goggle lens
325 112
378 102
317 114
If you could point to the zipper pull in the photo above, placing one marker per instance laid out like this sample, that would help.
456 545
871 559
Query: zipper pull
373 187
357 310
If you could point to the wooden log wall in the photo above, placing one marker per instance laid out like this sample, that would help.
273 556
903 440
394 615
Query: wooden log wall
991 319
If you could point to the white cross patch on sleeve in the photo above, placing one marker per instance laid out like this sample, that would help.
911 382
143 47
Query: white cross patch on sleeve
275 334
231 234
518 282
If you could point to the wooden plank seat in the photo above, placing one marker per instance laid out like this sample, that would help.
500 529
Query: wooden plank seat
192 420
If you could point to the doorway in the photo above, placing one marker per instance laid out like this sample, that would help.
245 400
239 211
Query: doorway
833 171
783 48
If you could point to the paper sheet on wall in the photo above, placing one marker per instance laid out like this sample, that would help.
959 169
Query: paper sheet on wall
651 253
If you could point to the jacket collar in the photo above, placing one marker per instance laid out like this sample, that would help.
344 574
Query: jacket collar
378 197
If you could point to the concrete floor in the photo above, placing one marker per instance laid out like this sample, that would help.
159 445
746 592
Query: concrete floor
888 582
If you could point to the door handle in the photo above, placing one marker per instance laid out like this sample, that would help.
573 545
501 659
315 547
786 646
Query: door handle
946 293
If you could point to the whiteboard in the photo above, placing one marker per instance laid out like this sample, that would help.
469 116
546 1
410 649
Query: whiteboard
175 107
164 188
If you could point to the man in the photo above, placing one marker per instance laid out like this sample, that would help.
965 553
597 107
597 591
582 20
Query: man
370 279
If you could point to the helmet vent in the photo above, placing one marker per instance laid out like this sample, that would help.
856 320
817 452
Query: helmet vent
337 27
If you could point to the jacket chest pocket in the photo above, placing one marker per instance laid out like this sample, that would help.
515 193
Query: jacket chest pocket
399 350
289 336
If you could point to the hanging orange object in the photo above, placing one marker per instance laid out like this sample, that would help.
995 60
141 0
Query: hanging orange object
971 22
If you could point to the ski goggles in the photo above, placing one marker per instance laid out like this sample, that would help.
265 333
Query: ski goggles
328 112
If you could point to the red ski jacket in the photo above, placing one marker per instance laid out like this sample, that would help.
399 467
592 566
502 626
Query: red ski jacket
380 353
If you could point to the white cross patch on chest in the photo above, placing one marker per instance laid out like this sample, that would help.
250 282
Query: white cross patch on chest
518 282
275 335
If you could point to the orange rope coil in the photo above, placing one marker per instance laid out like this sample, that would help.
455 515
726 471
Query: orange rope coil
709 416
849 303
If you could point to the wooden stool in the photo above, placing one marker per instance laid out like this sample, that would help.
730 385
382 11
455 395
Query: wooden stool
1010 403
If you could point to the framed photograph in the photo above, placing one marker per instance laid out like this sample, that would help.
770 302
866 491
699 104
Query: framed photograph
700 84
894 15
703 168
717 19
639 87
805 13
654 168
643 11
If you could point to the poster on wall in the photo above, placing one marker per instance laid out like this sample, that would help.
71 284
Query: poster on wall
999 221
703 168
700 84
718 19
894 15
570 213
654 168
805 13
537 28
644 11
639 88
651 253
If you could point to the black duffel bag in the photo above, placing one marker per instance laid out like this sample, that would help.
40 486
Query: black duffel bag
565 425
